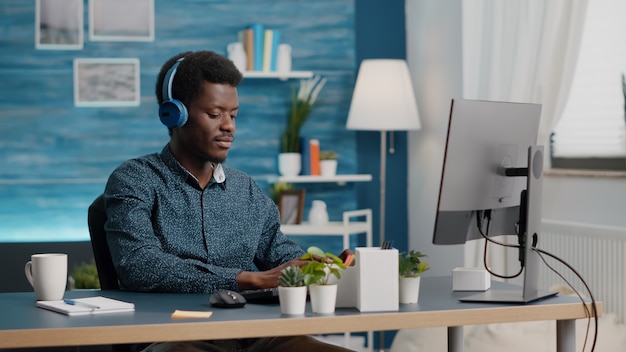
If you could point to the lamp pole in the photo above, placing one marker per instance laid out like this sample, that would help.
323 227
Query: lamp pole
383 184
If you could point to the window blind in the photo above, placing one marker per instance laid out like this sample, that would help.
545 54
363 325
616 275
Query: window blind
592 124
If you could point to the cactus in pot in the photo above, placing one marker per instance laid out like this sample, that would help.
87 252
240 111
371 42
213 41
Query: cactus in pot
291 276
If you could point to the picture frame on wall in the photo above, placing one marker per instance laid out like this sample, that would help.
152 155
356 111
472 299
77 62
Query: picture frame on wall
59 24
121 20
290 206
106 82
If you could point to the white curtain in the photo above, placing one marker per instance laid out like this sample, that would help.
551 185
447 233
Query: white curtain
522 51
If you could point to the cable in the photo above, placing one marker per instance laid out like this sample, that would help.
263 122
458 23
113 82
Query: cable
540 253
593 301
485 235
587 313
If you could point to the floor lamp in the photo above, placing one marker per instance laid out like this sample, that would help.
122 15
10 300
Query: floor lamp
383 100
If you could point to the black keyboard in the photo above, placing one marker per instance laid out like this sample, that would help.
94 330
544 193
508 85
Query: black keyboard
261 296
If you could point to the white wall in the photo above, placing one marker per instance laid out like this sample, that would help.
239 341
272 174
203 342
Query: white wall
434 55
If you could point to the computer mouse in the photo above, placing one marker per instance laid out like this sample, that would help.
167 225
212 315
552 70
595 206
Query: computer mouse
227 299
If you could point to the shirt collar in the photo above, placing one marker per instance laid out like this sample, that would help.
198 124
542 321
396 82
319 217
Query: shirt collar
219 174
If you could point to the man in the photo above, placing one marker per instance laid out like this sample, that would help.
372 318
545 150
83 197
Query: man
180 221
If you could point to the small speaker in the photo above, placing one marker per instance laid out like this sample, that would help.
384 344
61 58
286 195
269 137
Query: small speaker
172 112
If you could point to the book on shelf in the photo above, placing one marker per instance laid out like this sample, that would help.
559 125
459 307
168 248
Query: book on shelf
268 39
275 42
314 156
87 305
248 44
258 31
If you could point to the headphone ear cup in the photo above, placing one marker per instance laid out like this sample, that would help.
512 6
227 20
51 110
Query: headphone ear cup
173 113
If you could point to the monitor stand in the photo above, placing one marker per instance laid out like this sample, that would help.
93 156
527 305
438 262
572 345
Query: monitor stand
529 291
507 296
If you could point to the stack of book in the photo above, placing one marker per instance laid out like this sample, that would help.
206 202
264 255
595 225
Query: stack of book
261 46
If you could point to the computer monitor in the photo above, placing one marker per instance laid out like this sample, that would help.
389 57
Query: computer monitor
491 182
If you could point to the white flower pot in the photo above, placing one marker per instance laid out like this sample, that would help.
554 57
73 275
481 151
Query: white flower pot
409 289
289 164
328 167
292 300
323 298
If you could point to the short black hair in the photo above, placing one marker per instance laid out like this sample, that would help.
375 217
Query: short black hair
196 68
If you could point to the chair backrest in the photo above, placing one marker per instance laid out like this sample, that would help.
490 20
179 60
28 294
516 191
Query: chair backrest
96 217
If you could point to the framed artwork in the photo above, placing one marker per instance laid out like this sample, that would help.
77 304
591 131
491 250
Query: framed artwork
59 24
106 82
121 20
290 206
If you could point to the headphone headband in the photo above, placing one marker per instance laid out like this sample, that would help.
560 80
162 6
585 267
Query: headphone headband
169 80
172 112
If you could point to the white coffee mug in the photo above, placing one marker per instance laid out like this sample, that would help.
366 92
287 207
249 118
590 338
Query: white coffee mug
47 273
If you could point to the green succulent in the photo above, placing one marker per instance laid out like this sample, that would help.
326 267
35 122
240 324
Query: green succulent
410 264
328 155
291 276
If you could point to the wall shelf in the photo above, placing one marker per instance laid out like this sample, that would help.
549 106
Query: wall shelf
343 228
283 76
339 179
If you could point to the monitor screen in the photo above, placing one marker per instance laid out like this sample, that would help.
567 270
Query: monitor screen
491 185
484 139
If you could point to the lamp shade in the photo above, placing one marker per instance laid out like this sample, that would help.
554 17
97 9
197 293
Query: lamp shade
383 98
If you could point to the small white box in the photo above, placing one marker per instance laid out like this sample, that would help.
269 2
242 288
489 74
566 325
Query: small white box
377 279
470 279
346 288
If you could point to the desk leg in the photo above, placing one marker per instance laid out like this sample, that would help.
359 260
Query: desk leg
565 335
455 339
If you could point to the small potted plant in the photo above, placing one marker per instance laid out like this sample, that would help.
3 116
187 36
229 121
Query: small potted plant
410 266
85 276
292 291
317 272
328 163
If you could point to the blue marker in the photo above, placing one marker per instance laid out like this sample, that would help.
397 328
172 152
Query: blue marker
81 304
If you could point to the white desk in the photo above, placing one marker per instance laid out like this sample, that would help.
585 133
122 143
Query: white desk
24 325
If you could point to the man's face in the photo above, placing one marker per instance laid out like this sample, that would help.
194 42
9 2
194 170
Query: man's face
210 128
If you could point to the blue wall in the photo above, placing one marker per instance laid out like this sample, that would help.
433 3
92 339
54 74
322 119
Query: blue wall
55 157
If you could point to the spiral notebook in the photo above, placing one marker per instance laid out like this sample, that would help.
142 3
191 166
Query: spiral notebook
88 305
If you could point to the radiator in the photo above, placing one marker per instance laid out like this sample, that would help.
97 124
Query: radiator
597 252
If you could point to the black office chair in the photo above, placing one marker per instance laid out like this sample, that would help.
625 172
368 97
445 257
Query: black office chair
96 217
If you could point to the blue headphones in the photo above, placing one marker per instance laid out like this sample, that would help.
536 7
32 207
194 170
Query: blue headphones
172 112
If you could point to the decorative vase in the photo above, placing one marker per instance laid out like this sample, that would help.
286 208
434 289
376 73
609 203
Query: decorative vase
409 289
237 55
318 214
292 300
289 164
328 167
323 298
283 60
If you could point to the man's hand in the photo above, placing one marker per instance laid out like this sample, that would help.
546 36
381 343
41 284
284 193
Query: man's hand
248 280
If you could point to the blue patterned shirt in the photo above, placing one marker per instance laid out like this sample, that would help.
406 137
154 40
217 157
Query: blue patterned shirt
167 234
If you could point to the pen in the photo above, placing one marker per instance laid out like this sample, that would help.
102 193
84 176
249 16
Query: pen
81 304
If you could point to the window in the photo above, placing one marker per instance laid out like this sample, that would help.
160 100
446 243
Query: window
591 132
